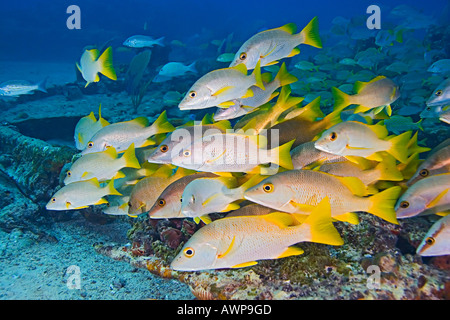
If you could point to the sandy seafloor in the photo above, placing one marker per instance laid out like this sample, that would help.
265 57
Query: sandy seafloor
31 270
36 270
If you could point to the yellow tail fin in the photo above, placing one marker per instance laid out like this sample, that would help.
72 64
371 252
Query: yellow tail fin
341 99
320 227
399 146
310 34
282 155
382 204
257 74
106 65
129 158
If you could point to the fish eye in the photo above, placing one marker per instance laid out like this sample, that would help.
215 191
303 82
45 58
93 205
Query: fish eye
189 252
53 200
186 153
90 144
69 173
164 148
424 173
333 136
430 241
243 56
192 94
404 204
161 202
439 93
268 187
129 204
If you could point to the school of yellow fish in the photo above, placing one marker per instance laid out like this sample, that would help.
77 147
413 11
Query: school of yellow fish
284 173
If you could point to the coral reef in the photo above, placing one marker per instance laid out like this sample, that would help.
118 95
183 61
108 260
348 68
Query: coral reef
375 263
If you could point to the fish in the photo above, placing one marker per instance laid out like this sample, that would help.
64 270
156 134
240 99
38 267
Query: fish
86 127
436 241
299 191
104 165
145 193
225 57
398 124
385 38
366 171
139 41
232 152
441 95
208 195
121 135
118 206
168 204
237 242
182 137
437 162
16 88
442 67
220 86
398 67
174 69
306 155
81 194
304 126
445 117
433 112
172 98
267 115
306 66
252 209
92 63
352 138
427 196
379 93
348 62
269 46
260 97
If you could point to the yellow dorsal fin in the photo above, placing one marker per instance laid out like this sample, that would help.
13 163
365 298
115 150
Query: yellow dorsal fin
380 130
143 121
281 219
291 251
241 68
219 256
248 94
437 199
290 28
92 116
94 181
94 54
354 184
207 119
310 112
111 151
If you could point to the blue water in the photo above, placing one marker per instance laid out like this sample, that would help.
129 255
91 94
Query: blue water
33 30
